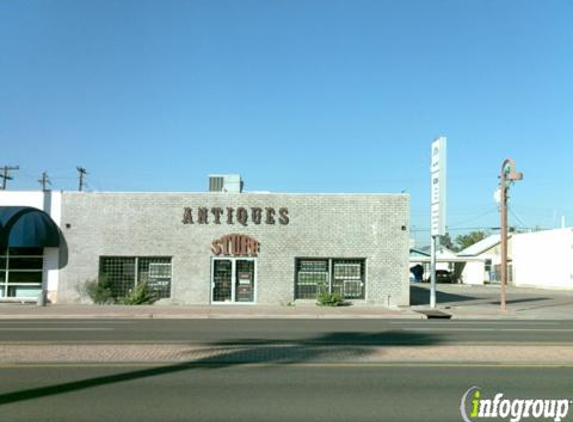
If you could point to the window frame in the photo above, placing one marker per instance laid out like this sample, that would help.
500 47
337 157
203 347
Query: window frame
330 268
8 255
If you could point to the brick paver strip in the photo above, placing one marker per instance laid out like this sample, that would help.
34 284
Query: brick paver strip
282 353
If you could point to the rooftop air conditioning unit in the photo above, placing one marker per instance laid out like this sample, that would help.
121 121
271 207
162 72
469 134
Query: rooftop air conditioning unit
230 183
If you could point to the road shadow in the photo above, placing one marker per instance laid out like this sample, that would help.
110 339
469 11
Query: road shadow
521 300
348 347
421 296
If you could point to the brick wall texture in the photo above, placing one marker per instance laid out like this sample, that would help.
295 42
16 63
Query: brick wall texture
369 226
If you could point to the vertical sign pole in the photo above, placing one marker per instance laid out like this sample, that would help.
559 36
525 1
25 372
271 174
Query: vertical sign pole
433 272
438 206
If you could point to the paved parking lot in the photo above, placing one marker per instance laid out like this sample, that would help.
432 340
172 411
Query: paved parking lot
464 301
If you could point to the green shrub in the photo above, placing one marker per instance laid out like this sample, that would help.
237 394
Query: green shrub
99 291
329 299
140 295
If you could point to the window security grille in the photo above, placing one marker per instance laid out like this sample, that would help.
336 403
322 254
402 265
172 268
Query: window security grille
343 276
311 278
348 278
156 272
124 272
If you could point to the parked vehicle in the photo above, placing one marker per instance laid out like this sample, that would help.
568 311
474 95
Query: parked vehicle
443 276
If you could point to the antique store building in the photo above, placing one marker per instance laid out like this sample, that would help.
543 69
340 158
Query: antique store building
219 247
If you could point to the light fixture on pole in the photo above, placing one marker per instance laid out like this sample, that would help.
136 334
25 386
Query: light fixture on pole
507 176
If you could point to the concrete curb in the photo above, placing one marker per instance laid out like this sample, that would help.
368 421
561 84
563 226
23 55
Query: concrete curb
202 316
414 314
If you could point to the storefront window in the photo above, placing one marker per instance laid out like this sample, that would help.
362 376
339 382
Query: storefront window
312 277
342 276
21 271
348 278
156 272
124 272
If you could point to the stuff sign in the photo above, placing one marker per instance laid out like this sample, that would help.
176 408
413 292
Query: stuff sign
235 245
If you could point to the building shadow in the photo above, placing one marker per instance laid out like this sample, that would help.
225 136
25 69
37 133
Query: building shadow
339 347
421 296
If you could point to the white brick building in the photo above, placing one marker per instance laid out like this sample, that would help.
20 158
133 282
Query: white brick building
214 247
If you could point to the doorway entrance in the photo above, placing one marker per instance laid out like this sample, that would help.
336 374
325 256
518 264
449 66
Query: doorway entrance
233 280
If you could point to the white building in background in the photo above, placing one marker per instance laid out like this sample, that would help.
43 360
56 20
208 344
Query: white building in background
544 258
478 264
464 270
487 265
539 259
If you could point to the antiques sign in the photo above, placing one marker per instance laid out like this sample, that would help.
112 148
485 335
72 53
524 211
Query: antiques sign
241 215
235 245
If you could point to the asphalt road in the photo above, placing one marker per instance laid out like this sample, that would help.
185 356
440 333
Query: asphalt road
264 392
328 332
309 387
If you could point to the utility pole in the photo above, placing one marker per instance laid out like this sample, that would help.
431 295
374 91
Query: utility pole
45 181
82 172
5 174
507 177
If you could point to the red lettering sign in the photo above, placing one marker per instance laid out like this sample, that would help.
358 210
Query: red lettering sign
235 245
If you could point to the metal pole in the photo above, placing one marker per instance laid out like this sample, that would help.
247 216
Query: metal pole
503 211
433 272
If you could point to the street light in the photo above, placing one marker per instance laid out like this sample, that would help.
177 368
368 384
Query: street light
507 177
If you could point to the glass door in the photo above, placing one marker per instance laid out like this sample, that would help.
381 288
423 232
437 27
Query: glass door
244 280
222 280
233 280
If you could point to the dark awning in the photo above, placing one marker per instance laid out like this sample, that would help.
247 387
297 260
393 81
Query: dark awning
27 227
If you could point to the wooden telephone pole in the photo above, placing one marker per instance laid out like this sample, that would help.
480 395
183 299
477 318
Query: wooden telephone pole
6 174
82 174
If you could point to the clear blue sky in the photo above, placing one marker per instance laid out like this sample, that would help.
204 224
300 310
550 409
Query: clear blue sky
296 96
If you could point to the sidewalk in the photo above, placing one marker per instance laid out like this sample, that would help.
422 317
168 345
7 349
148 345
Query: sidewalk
454 301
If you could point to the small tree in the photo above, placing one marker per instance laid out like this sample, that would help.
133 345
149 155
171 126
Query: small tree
99 291
466 240
329 299
446 242
140 295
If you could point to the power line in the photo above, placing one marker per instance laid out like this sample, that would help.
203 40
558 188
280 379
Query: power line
516 216
491 211
6 174
485 228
